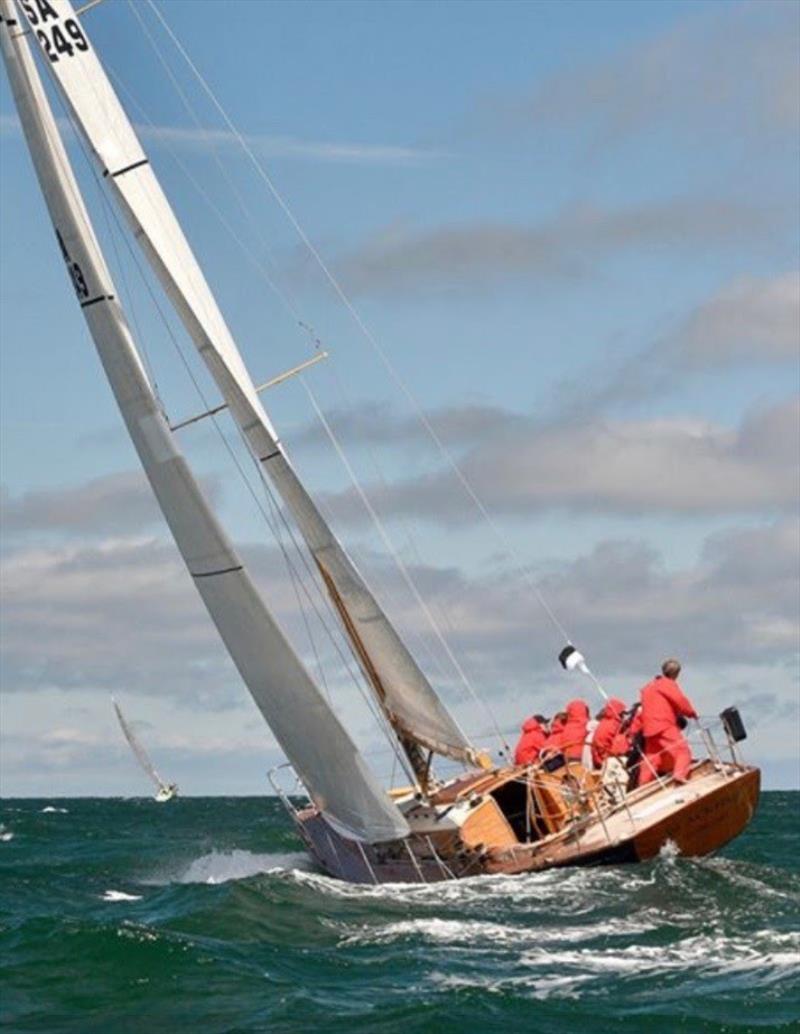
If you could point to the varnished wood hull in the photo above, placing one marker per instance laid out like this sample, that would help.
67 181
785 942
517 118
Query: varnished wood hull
699 818
693 828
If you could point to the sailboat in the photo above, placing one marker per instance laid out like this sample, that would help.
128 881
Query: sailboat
493 817
164 791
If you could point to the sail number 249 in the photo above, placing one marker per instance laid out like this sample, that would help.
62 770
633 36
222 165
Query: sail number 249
59 40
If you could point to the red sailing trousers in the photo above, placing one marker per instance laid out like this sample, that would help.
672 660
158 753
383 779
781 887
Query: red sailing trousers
666 752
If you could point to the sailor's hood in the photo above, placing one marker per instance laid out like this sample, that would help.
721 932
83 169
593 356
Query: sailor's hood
614 708
577 711
531 725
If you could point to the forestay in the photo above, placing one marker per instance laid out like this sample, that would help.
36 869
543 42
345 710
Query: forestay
402 689
313 738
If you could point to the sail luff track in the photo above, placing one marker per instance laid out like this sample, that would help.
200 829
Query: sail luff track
408 699
315 741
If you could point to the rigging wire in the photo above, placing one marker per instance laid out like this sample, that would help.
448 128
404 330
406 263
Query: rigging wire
130 301
214 208
400 564
377 712
295 579
442 619
291 306
283 295
191 112
505 544
108 214
378 716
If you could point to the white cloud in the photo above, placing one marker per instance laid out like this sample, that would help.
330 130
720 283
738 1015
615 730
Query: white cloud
325 151
677 465
565 247
120 614
731 73
112 504
750 321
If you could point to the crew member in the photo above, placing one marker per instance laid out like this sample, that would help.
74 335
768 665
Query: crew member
553 743
534 734
573 734
664 706
608 738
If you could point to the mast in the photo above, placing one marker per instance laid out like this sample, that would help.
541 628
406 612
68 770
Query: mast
318 746
418 716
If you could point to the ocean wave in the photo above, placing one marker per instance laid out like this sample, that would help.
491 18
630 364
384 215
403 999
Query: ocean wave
575 891
224 866
120 895
740 875
471 933
699 962
217 902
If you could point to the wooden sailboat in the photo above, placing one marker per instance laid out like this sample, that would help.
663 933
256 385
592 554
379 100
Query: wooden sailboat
164 791
492 819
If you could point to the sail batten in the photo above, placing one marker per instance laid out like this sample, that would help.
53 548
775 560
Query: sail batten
313 738
405 694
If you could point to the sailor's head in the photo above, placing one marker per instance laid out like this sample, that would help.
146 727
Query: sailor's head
671 668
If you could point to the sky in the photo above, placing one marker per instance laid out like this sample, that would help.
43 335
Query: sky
569 240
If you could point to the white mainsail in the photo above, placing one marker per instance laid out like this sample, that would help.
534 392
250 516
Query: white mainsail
404 692
320 749
137 747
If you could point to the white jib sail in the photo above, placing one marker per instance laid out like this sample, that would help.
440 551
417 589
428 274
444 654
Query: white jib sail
321 751
136 746
405 692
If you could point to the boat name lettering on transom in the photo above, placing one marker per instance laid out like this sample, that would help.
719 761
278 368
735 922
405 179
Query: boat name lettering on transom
57 40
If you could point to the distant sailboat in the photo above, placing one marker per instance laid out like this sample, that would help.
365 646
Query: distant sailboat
164 791
495 817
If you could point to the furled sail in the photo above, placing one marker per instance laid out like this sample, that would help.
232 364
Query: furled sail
404 692
321 751
136 746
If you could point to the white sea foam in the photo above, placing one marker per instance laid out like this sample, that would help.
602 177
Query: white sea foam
120 895
6 835
137 932
460 892
223 866
482 935
575 892
763 958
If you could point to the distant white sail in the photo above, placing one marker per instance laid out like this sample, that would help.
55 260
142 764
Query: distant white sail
407 697
138 749
321 751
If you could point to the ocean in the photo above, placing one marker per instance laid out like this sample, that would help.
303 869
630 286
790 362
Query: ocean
204 915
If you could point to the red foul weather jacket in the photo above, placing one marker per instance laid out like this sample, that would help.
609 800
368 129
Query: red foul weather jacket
574 732
530 743
607 738
663 703
553 741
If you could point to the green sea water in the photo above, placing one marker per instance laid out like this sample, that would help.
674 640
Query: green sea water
204 915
